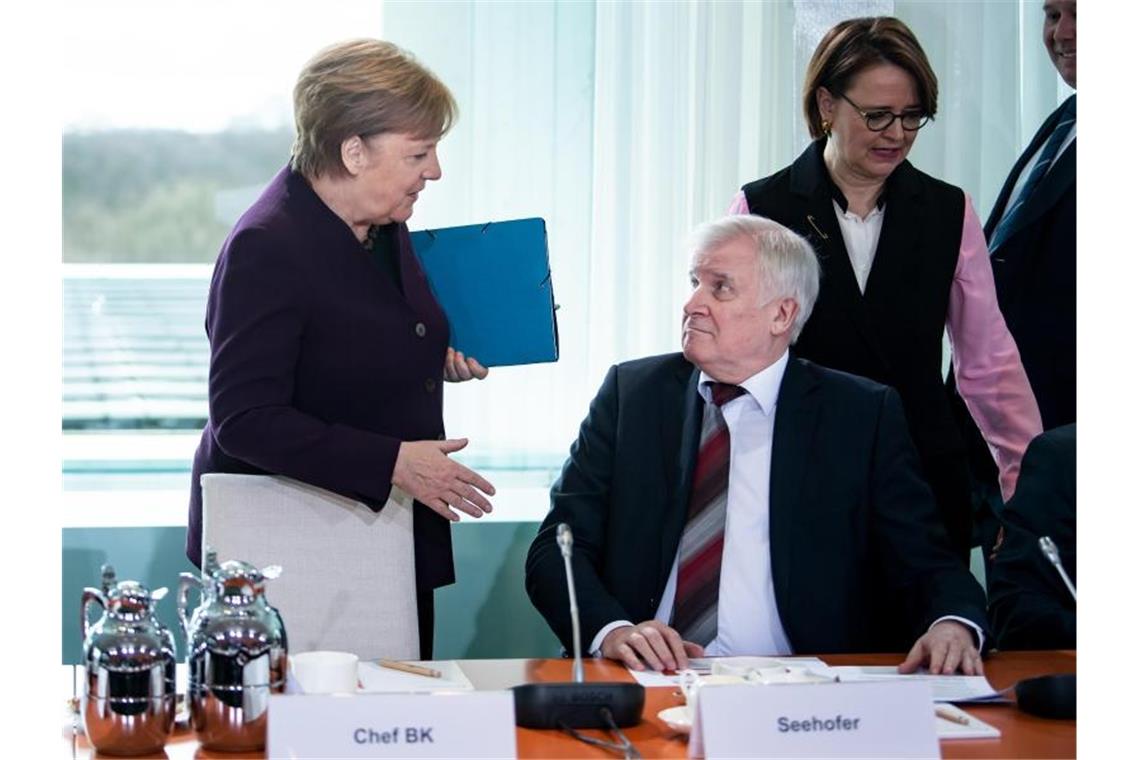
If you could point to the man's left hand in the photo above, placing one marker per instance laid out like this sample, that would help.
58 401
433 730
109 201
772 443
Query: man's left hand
947 647
457 367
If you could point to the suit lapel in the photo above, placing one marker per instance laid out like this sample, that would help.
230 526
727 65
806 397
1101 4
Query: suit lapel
1059 178
1011 180
821 228
411 275
797 410
1039 138
680 438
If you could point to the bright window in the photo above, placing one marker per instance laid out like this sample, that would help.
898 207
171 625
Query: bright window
622 124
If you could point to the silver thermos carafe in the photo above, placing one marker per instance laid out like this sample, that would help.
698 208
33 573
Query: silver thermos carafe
128 701
236 651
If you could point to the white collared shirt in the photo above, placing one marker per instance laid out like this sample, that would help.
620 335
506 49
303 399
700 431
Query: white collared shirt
747 619
861 238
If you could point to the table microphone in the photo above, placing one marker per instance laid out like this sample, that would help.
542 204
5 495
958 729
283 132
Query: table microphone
566 544
1049 549
1051 696
578 703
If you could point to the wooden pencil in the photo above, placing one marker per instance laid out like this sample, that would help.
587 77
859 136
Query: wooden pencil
953 717
407 667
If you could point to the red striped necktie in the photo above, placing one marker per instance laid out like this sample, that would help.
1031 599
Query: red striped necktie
702 542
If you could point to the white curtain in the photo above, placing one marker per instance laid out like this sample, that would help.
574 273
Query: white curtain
683 91
996 85
625 124
523 74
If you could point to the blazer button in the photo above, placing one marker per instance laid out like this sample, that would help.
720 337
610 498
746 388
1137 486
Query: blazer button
421 329
440 437
429 385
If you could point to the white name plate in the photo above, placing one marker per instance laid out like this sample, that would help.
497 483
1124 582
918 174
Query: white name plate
815 720
473 724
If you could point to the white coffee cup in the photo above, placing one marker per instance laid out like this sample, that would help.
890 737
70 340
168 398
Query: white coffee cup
762 670
691 685
325 672
759 669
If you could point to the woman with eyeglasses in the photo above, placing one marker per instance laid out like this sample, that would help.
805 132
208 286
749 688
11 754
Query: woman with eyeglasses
903 257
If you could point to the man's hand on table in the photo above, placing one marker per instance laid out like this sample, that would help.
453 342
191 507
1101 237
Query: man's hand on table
649 644
947 647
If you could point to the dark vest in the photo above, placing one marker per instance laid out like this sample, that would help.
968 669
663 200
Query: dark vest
892 332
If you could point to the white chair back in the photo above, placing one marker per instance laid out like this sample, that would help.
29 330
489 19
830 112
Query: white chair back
349 579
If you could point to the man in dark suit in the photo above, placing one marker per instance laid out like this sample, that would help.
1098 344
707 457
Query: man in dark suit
733 499
1032 237
1032 234
1030 605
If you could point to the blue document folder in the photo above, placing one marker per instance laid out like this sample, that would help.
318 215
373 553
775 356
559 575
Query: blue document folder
493 282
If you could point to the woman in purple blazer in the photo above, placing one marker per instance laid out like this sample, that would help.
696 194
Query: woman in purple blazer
327 349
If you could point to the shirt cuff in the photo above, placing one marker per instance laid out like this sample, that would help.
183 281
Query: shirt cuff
596 644
981 637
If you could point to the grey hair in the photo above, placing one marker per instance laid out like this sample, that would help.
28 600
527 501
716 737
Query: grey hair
787 262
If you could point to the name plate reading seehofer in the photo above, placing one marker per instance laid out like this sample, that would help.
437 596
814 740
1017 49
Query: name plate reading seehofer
468 724
893 719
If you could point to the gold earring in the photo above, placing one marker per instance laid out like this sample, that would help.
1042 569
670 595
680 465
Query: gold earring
825 125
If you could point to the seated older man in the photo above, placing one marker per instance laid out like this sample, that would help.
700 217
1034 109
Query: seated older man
733 499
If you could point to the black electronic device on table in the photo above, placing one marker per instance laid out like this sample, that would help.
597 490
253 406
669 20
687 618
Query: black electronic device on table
578 703
1051 696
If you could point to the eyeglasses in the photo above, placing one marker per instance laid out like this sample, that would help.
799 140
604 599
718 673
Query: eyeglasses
879 120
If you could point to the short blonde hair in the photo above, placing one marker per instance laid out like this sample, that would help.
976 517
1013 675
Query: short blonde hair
363 87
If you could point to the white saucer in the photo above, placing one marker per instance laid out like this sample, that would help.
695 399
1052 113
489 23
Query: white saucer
677 718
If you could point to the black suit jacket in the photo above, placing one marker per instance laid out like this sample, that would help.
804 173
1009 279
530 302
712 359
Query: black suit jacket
320 366
852 523
1035 273
1030 606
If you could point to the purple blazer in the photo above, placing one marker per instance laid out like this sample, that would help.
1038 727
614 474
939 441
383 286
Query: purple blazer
319 366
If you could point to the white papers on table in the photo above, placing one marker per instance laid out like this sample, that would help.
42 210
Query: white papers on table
374 678
649 678
974 729
943 688
703 666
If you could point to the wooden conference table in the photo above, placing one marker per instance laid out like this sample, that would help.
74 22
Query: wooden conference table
1022 735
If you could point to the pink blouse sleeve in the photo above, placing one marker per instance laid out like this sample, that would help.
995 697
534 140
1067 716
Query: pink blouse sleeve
987 366
739 204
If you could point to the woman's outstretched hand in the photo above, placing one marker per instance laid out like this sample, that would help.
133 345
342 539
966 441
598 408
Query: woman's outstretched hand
424 470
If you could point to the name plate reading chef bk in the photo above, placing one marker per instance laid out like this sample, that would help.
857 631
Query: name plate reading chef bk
469 724
880 720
